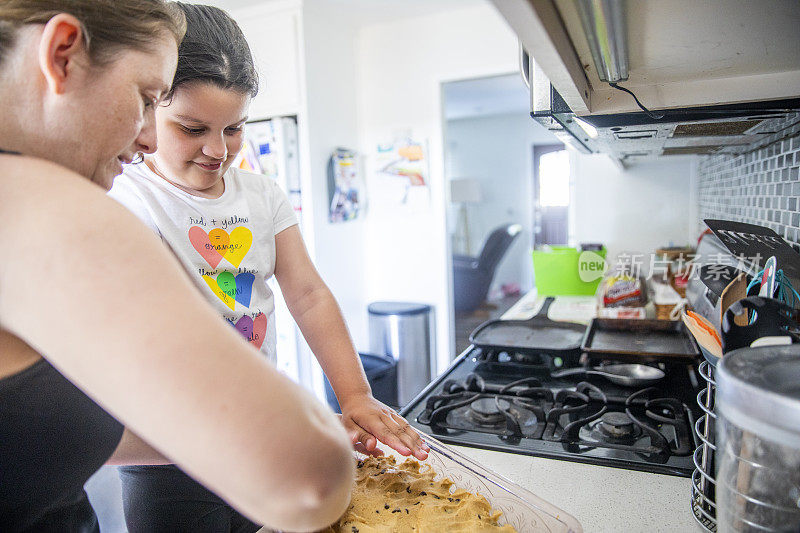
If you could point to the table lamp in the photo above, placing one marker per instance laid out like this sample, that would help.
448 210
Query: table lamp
464 191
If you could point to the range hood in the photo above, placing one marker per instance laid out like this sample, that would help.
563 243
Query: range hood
717 76
635 136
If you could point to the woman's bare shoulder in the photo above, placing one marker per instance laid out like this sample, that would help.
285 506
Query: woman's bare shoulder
35 190
30 179
18 165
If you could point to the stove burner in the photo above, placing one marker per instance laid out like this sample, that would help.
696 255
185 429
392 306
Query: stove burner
519 357
581 418
488 411
616 425
507 401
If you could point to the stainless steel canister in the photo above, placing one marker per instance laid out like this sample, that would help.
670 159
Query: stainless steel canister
758 439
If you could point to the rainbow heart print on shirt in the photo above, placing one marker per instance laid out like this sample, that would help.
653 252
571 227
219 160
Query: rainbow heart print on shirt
254 330
218 244
232 288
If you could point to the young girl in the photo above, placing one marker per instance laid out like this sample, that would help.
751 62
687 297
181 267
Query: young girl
232 231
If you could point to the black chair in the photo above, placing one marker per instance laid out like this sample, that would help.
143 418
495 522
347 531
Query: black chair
472 276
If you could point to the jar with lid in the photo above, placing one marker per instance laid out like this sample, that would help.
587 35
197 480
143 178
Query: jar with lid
758 439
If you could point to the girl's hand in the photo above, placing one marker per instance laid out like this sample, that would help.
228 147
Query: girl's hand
368 421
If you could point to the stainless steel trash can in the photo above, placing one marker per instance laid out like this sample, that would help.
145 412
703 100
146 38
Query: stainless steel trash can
404 331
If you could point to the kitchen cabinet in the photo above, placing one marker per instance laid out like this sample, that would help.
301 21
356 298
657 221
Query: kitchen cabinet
274 35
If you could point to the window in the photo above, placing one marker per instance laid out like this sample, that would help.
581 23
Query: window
554 179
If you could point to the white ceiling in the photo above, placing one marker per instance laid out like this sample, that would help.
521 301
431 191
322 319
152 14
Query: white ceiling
495 95
364 12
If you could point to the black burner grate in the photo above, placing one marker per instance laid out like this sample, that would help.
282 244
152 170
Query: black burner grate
510 402
643 422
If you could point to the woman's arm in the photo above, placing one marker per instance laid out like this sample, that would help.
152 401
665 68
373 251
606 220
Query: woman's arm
318 315
85 283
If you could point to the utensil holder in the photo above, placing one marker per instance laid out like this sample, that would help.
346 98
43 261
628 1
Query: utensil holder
703 502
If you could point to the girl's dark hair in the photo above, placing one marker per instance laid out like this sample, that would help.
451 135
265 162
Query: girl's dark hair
215 51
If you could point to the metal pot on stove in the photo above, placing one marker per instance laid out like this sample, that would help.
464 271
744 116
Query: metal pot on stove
758 439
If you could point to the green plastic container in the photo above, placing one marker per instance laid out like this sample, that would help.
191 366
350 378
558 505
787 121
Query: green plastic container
556 271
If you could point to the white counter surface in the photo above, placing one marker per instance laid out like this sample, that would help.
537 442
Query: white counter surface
602 499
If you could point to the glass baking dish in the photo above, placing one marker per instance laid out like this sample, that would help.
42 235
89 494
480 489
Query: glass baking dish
521 508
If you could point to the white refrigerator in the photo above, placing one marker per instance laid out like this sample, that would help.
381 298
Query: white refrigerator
271 149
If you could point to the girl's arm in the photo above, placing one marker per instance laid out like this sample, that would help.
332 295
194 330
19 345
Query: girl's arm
133 450
318 315
85 283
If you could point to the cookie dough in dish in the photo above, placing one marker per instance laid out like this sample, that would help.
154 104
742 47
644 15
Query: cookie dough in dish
392 497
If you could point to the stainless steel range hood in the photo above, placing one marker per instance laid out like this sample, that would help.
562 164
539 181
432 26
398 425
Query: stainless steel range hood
635 136
723 76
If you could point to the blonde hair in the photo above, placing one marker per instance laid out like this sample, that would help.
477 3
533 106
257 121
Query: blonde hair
108 25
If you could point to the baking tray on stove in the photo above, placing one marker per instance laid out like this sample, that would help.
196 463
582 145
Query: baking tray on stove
639 340
537 335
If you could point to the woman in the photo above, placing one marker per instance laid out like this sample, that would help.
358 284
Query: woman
232 231
79 80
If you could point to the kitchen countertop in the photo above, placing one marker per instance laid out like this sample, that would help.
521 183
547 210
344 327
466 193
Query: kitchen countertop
602 499
580 309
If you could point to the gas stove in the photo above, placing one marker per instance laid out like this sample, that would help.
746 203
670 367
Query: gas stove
506 401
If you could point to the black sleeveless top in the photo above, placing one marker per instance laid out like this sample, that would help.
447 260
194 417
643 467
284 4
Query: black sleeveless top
52 439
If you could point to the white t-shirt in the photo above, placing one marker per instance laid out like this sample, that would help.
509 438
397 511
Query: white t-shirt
226 244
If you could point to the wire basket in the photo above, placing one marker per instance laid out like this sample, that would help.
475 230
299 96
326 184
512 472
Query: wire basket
704 508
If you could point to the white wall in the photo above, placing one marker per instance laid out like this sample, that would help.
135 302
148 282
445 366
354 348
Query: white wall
402 66
331 121
497 150
634 210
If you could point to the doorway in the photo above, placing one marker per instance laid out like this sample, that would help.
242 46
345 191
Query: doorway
488 136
